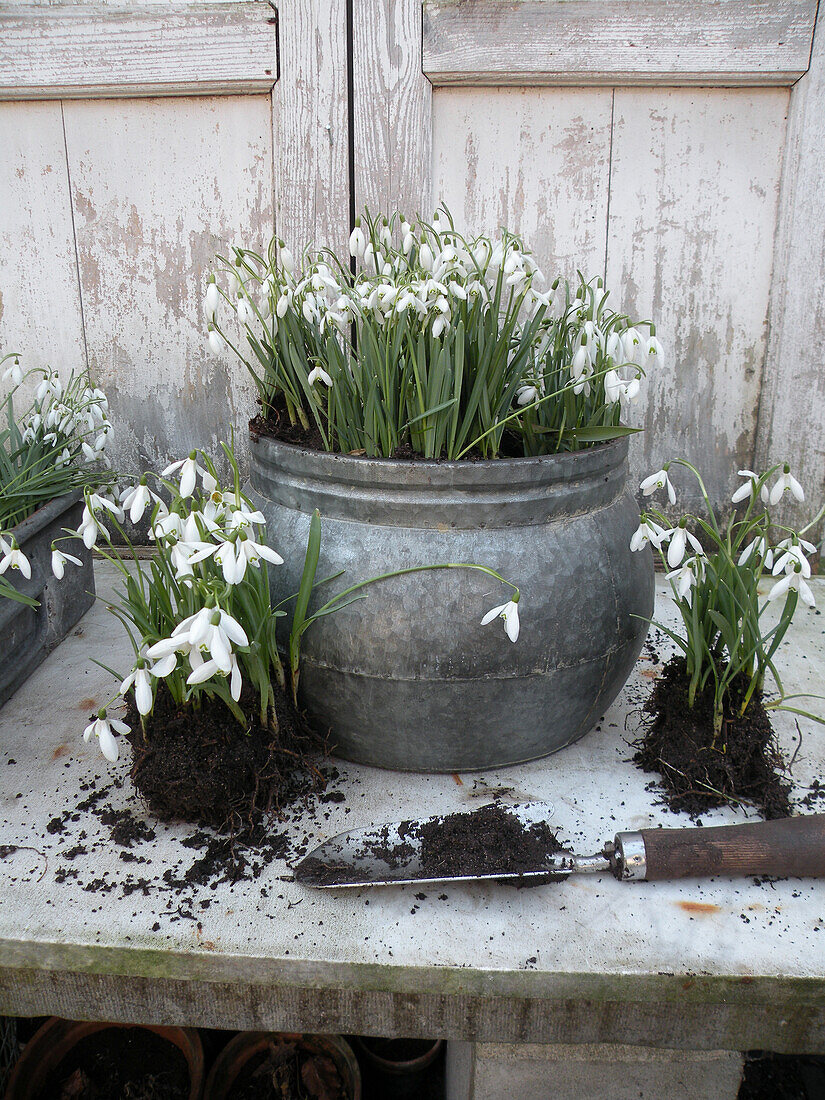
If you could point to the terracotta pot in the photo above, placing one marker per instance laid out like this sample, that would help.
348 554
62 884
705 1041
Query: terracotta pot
379 1053
52 1043
248 1045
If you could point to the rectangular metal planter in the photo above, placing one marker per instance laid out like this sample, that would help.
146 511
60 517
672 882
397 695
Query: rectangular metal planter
28 635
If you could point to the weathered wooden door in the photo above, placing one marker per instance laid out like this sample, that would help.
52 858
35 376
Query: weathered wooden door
672 146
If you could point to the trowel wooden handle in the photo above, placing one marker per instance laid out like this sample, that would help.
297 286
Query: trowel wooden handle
791 846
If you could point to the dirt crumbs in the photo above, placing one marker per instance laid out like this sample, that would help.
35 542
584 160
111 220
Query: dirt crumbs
120 1062
290 1071
744 765
205 768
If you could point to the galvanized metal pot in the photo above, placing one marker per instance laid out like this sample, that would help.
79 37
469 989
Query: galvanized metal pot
407 678
30 634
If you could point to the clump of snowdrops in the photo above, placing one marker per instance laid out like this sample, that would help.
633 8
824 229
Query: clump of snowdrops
429 340
56 446
198 612
715 571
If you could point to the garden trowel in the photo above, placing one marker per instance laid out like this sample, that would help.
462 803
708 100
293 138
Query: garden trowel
430 850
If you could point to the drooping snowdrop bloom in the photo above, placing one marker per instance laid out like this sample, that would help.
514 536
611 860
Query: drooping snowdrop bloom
659 480
509 612
14 558
59 559
135 499
357 241
746 490
189 469
139 680
793 579
686 577
653 350
526 395
254 551
213 297
318 374
617 391
15 373
246 314
104 730
758 546
792 557
680 539
786 483
647 532
216 341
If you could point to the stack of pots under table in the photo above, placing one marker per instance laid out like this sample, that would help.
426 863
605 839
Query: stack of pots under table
408 678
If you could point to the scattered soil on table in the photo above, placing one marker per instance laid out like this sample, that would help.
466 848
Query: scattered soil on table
289 1071
744 765
202 766
120 1064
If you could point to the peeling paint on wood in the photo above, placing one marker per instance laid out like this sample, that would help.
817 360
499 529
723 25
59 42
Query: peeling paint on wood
158 188
39 301
792 407
534 160
75 51
585 42
693 205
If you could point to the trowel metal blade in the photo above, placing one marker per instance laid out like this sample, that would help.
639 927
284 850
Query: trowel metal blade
390 854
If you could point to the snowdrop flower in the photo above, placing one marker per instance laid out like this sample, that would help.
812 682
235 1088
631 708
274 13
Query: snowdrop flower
59 559
617 391
746 491
684 578
659 480
213 297
653 350
287 261
425 257
509 612
15 372
786 483
246 314
14 558
205 670
758 546
254 551
135 499
318 374
793 559
680 537
189 469
138 679
647 532
526 395
630 342
793 579
216 341
357 241
102 728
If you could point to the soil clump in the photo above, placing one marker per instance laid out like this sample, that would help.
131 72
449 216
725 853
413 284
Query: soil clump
202 766
743 765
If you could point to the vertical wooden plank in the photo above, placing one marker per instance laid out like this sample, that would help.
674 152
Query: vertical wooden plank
39 301
792 407
693 201
158 187
533 160
310 115
392 109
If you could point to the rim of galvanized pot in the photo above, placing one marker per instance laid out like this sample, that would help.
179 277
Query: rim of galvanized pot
500 492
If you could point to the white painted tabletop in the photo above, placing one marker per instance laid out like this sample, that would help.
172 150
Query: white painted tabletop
588 937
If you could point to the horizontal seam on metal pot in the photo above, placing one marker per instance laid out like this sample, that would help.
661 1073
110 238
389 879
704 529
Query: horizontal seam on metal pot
518 674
